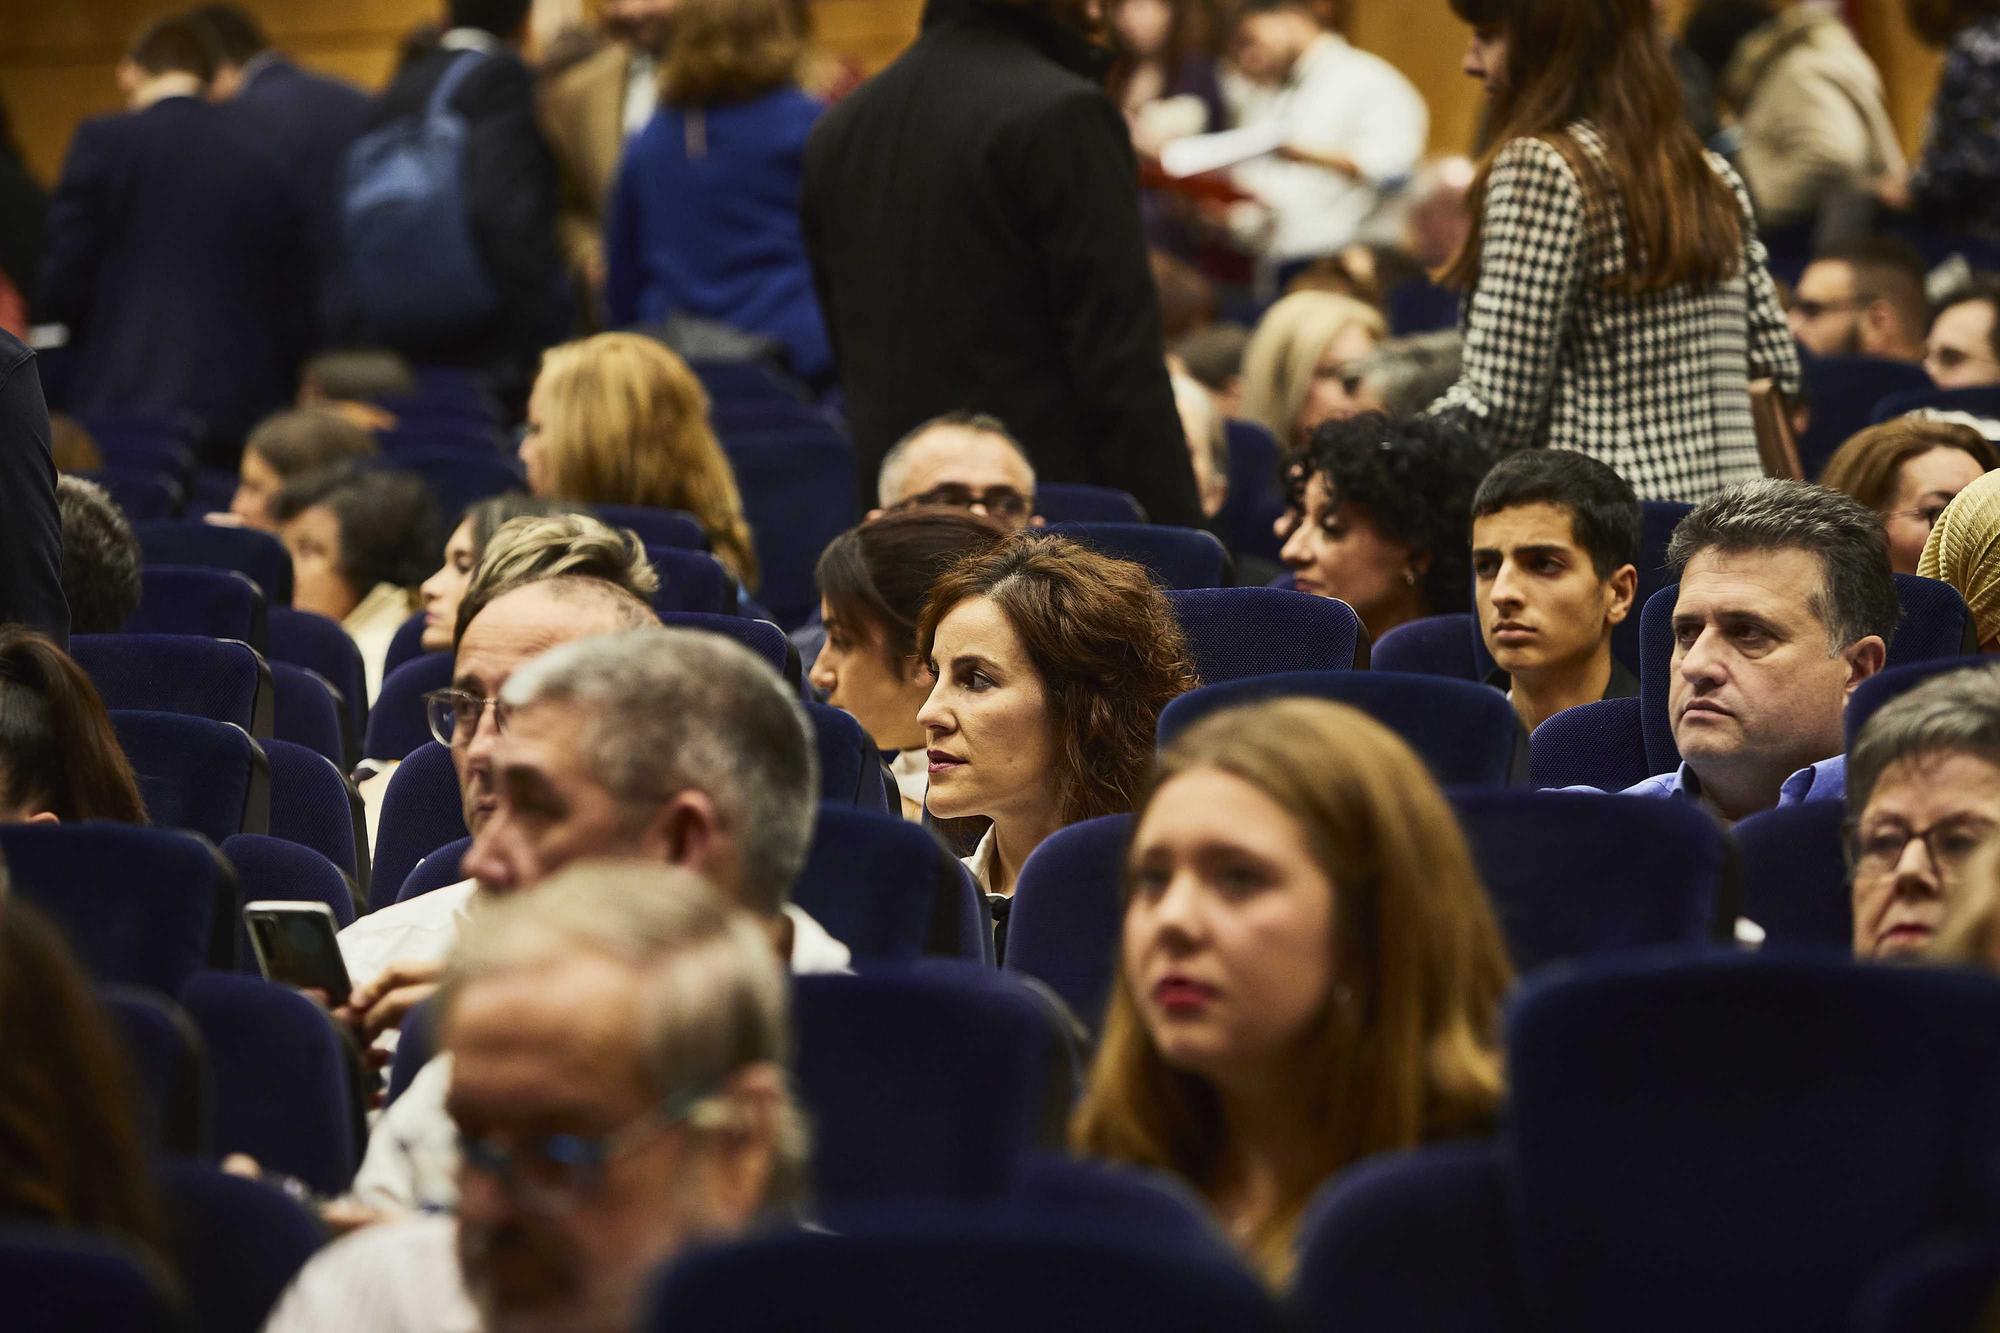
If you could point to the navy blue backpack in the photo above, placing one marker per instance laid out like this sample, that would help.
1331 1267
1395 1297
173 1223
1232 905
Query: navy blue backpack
413 266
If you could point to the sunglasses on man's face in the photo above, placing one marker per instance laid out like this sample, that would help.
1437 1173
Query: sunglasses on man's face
1002 501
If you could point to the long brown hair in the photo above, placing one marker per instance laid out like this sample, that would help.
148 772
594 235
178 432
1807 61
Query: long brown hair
57 748
1865 467
1408 1052
875 578
1103 639
70 1150
1602 62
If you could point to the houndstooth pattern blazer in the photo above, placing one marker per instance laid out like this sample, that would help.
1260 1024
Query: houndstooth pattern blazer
1655 385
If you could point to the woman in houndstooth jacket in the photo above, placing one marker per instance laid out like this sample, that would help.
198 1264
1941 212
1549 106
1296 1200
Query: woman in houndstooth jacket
1619 300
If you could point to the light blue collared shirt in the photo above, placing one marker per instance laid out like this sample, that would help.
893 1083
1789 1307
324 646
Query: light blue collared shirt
1824 781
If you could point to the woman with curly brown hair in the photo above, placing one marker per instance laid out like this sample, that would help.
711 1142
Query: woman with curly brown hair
1052 664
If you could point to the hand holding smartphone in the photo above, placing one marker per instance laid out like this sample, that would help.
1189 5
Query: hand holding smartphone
295 944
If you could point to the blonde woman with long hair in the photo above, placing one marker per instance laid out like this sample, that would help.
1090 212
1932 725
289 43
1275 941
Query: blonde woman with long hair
1309 970
618 419
1302 360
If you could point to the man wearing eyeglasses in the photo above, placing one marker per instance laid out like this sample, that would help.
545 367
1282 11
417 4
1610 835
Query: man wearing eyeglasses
1923 793
617 1087
1863 300
1964 348
963 459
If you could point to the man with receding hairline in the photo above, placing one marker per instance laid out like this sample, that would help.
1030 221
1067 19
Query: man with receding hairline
964 459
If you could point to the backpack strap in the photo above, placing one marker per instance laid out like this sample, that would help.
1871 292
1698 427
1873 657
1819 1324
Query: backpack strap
462 65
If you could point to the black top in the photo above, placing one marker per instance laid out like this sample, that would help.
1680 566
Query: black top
1622 685
972 214
30 533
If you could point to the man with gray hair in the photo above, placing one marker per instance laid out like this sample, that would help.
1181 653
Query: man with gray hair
662 745
1786 603
1923 788
964 459
616 1045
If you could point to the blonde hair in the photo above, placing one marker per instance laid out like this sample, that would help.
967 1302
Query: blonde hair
1408 1050
731 51
1285 350
575 548
1964 551
625 422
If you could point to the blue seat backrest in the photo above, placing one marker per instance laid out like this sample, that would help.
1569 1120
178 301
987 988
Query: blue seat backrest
1176 557
1068 905
657 527
256 554
442 432
456 477
1256 499
1842 392
738 381
219 679
144 494
60 1279
306 710
397 723
1884 687
1239 632
759 636
1659 518
1795 876
1983 403
237 1243
1430 646
184 599
169 1067
421 812
881 885
1072 502
207 777
269 867
438 869
1599 745
1467 734
315 805
798 494
314 641
691 581
850 767
407 645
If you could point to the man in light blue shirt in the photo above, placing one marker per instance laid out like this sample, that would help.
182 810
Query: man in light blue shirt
1786 603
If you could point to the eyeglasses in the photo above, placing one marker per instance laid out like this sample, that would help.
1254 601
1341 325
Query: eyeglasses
448 711
557 1173
1815 309
1928 515
1949 844
1003 501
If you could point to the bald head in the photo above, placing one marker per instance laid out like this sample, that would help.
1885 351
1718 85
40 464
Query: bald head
962 455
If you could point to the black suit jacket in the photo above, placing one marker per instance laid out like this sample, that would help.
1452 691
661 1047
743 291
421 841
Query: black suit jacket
973 218
512 186
177 255
30 533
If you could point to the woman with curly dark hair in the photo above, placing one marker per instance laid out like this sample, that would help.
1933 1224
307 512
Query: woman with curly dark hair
1381 518
1052 664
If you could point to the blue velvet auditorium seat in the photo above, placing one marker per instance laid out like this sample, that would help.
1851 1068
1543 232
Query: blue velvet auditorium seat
438 869
319 644
691 581
407 645
850 767
1239 632
1981 402
1466 733
248 551
1176 557
1430 646
268 867
1565 883
397 724
1601 745
1843 392
1734 1143
140 906
237 1243
1256 500
798 495
1060 502
60 1280
1063 928
214 603
1795 883
144 494
421 812
456 477
207 777
885 887
218 679
314 805
306 711
1884 687
759 636
657 527
169 1067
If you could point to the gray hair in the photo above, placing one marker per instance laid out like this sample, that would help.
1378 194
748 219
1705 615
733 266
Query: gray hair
100 558
895 463
674 709
713 997
531 549
1406 375
1857 596
1955 713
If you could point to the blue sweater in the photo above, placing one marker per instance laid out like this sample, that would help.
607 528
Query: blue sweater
705 219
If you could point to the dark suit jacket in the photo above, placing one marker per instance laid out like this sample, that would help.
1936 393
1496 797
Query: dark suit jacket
973 218
30 533
512 186
177 255
308 120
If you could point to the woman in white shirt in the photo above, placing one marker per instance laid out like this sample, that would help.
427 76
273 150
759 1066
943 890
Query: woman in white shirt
873 580
1051 664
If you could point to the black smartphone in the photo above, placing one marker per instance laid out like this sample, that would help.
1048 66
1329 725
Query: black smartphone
295 944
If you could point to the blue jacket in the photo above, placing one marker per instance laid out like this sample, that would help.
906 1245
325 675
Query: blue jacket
705 219
177 256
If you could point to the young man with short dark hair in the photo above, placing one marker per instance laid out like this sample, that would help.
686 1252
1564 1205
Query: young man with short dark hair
1555 546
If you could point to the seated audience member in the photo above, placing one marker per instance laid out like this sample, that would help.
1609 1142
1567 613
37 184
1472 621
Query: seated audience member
873 581
1299 366
704 218
1052 664
1403 376
1352 127
442 591
1381 518
541 583
59 758
287 448
1963 351
1866 299
1214 356
353 382
1555 550
1309 971
100 558
1162 80
1786 603
656 745
618 419
1924 788
361 542
1964 551
962 459
74 1154
616 1070
1207 441
1907 471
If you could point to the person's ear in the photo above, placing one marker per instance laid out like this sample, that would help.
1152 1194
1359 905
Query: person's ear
1865 657
685 831
874 514
1420 565
43 817
1622 590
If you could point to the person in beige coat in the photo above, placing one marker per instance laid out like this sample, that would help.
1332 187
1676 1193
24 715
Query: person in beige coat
1808 103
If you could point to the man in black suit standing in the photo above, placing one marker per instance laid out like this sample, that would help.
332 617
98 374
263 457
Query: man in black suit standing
177 255
307 119
511 189
973 218
30 532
